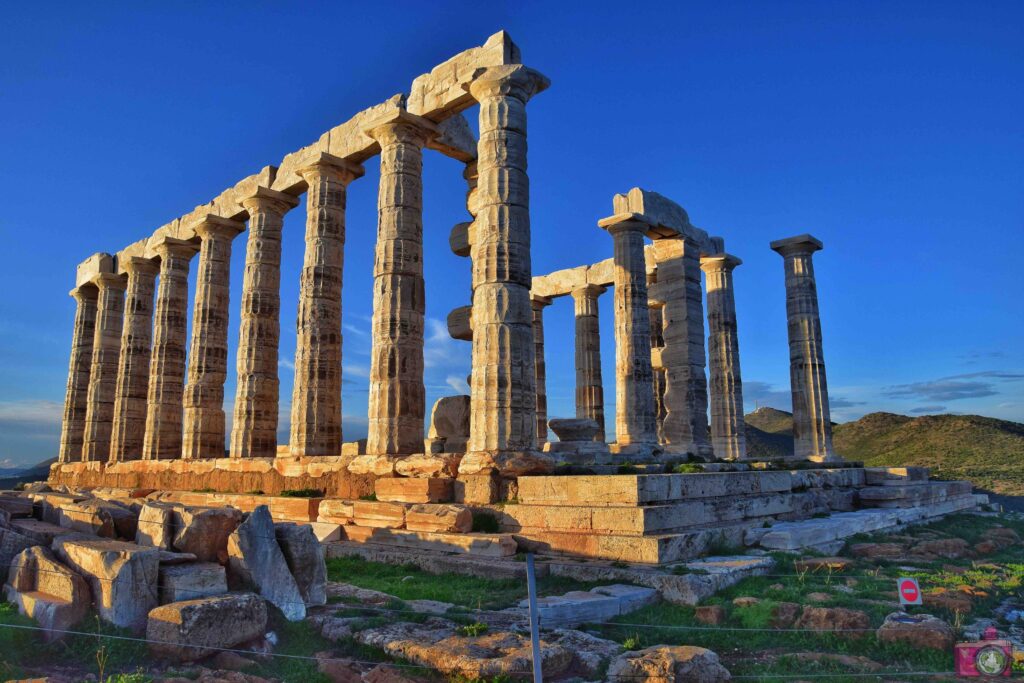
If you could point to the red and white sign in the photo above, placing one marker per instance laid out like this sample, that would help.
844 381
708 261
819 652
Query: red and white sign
910 592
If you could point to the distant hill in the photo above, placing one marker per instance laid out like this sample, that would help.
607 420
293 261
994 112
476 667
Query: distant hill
983 450
39 472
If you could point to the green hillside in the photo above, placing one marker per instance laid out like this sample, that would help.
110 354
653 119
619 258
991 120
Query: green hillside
983 450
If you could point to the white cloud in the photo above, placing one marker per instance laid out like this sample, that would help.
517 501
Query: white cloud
457 383
37 413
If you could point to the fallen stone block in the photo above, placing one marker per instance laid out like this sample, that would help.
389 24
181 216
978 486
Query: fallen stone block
47 591
192 629
288 509
409 490
156 525
845 623
191 581
305 558
12 543
917 631
444 465
371 513
335 511
575 607
43 532
442 518
46 506
326 532
16 506
204 531
255 559
682 663
631 598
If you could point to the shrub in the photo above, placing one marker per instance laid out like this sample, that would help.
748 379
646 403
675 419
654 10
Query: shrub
472 630
302 493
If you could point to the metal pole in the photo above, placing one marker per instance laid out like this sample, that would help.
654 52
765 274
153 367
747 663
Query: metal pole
531 583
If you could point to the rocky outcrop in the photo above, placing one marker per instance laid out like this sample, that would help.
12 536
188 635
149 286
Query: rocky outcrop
845 623
918 631
668 664
255 560
305 558
192 629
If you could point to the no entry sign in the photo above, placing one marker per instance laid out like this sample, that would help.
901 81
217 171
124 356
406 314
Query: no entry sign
910 592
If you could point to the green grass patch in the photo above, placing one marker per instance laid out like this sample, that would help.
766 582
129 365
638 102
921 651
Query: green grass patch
302 493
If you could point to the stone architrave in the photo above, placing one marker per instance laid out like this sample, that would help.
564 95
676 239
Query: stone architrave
204 430
685 399
397 396
503 393
316 394
634 380
728 437
167 365
130 395
589 385
76 397
538 304
106 353
254 430
812 422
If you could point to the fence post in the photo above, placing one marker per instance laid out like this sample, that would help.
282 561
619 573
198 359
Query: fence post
531 583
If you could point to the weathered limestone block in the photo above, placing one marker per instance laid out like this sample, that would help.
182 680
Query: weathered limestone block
46 506
41 532
460 323
47 591
106 353
420 490
306 560
371 513
204 531
445 465
101 518
441 518
354 448
122 576
676 664
476 489
191 581
574 429
156 525
16 506
335 511
12 543
287 509
589 387
255 559
379 465
76 397
450 417
728 432
193 629
917 631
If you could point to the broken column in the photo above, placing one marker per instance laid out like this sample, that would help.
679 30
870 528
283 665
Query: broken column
728 437
538 304
589 387
316 396
812 424
397 397
76 397
204 430
503 422
130 394
254 430
106 353
167 366
634 382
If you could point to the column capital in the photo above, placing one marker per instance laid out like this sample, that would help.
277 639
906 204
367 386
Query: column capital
270 201
514 80
714 246
719 262
212 225
110 281
539 302
342 170
588 291
794 246
625 222
170 246
138 264
401 126
86 292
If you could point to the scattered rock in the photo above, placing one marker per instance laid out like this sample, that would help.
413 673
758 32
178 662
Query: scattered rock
846 623
439 518
156 525
305 558
12 543
591 654
231 661
818 597
337 669
255 560
745 601
204 531
949 548
712 615
847 661
919 630
47 591
784 614
187 630
668 664
948 600
190 581
877 550
776 587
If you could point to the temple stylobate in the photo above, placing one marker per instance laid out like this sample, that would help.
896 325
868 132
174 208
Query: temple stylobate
143 398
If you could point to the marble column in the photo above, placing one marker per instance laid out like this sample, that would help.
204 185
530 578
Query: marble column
634 380
503 406
538 304
589 386
397 398
203 402
167 366
657 347
728 432
254 429
316 394
76 397
685 398
106 353
126 438
812 423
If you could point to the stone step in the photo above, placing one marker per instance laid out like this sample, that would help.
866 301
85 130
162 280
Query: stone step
895 476
484 545
654 549
912 495
594 606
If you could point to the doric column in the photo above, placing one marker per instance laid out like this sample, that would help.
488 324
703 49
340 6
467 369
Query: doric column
316 395
589 387
126 438
812 424
634 381
685 398
106 352
657 347
397 397
254 429
203 401
538 304
167 365
503 410
728 437
76 398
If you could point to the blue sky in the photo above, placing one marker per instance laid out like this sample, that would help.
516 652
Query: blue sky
891 131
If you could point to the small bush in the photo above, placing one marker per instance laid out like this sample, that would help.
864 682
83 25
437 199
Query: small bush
633 642
370 497
302 493
687 468
485 523
205 490
472 630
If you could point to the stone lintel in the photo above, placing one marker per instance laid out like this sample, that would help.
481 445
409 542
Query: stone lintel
455 139
797 245
718 262
601 274
626 220
715 245
668 218
318 161
538 301
97 263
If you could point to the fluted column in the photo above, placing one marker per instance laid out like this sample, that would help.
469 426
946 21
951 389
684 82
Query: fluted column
503 408
728 437
254 429
316 394
812 423
589 386
685 399
203 402
167 365
397 398
106 352
634 381
126 439
538 304
657 348
76 397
